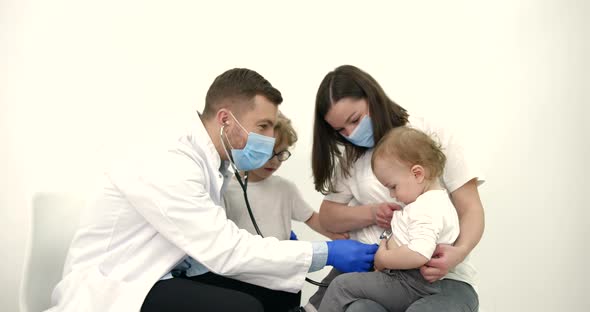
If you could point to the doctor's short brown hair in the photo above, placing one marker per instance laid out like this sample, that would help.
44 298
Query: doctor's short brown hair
284 131
411 147
235 89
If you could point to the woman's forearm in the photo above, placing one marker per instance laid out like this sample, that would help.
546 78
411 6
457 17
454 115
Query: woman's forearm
339 218
471 216
314 223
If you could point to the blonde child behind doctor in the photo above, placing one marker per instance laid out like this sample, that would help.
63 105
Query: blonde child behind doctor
275 201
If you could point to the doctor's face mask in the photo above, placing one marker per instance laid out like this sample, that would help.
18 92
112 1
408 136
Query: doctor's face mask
255 153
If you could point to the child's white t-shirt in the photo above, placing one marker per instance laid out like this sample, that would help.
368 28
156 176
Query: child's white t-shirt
275 201
430 220
363 188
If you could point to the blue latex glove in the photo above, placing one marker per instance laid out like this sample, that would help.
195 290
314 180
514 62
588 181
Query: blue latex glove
293 236
351 256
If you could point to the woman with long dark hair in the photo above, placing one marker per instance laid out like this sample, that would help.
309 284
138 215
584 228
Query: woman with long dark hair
352 113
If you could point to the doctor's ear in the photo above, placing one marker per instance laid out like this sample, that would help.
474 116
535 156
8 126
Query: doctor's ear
223 117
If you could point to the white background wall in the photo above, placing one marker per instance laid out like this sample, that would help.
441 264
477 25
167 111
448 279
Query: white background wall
81 79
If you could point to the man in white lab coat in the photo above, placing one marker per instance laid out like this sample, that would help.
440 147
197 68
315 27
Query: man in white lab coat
156 238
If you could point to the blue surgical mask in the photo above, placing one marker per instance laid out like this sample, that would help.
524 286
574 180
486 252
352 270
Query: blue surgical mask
362 135
255 154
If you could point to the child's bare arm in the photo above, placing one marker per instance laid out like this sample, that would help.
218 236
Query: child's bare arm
314 223
390 256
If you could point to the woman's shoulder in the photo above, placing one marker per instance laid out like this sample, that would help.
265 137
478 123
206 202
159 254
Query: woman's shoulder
425 123
434 127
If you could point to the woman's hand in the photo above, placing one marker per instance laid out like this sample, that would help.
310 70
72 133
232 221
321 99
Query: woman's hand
339 218
445 258
379 256
384 213
471 220
335 236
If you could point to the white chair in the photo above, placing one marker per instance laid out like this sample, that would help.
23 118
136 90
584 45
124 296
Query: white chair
55 217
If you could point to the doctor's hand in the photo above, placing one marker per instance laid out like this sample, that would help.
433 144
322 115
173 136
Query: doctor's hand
384 213
350 255
445 257
293 236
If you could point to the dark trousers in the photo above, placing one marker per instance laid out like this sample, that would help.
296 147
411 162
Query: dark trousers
211 292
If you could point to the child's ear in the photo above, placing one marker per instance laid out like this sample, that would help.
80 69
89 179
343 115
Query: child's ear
418 172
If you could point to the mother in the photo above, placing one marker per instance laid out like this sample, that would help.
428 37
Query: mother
353 112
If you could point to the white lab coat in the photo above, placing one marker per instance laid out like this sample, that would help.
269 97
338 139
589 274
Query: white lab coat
150 215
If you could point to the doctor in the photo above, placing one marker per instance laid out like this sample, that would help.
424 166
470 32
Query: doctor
155 238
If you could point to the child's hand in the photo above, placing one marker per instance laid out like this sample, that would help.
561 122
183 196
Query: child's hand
384 213
380 256
335 236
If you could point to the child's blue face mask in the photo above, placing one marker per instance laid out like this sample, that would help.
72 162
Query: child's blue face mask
255 154
362 135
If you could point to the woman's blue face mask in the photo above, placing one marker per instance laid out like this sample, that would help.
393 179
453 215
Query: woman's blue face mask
362 135
258 150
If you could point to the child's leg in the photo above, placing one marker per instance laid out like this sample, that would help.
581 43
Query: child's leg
316 299
365 305
395 291
454 296
347 288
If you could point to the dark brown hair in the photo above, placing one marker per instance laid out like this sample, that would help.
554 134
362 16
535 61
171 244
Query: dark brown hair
235 87
411 147
329 147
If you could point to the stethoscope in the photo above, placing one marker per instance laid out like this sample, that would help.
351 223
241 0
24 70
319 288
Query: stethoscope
244 185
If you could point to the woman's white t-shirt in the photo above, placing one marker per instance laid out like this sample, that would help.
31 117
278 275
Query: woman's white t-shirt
362 187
